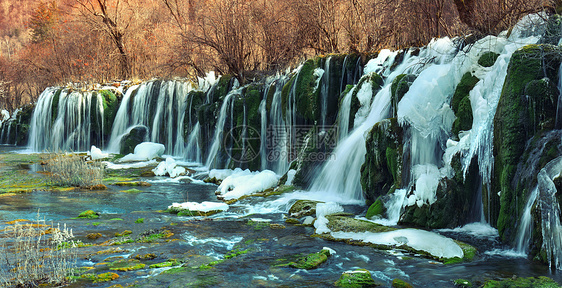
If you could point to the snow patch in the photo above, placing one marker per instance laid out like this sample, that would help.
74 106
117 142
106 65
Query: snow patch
169 167
96 153
245 182
201 207
145 151
430 242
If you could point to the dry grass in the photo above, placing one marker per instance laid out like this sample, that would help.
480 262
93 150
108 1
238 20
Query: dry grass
71 169
35 253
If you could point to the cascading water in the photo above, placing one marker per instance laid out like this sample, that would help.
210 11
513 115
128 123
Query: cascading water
543 198
211 161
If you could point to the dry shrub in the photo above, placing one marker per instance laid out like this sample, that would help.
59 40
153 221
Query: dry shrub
35 254
70 169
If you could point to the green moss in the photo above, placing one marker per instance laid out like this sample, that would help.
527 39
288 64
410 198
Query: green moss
488 59
399 87
514 125
124 233
55 105
89 214
464 117
131 191
311 261
169 263
376 209
110 107
303 208
467 83
126 265
397 283
339 223
99 278
382 170
463 283
356 279
115 219
139 221
531 282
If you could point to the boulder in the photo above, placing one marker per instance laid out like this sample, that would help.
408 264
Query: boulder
132 138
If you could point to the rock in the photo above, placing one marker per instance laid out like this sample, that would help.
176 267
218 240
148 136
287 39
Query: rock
518 119
463 283
124 233
337 223
537 282
400 86
94 236
147 174
89 214
488 59
303 208
311 261
134 137
397 283
356 279
381 172
376 209
461 104
456 198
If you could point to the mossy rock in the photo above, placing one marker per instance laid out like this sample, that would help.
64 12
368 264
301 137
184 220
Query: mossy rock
134 137
464 117
488 59
338 223
467 83
518 118
399 87
97 278
356 279
311 261
89 214
303 208
376 209
398 283
376 82
125 265
382 170
455 199
463 283
530 282
169 263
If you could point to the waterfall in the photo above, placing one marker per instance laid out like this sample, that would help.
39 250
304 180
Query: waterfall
192 150
325 89
211 161
41 121
278 132
122 120
558 122
544 197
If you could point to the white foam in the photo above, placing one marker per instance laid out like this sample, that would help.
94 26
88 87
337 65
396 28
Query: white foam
97 154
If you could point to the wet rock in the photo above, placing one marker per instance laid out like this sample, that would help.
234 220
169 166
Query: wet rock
519 117
339 223
400 86
134 137
310 261
376 209
488 59
356 279
461 104
94 236
133 184
398 283
537 282
89 214
303 208
463 283
381 173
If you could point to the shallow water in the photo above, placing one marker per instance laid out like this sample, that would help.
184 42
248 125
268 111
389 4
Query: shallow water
246 226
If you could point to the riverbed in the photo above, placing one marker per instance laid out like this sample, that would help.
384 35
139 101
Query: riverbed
245 246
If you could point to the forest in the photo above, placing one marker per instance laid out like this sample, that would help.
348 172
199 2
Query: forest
45 43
